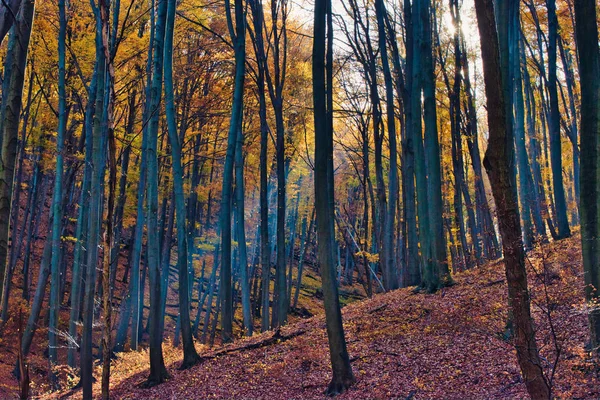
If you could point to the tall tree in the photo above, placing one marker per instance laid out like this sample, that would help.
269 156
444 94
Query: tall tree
265 254
12 103
498 159
190 356
158 372
387 250
554 126
57 211
586 30
95 206
440 275
322 70
275 84
8 11
237 32
12 99
137 291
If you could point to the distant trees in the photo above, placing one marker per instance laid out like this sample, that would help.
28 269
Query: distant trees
214 213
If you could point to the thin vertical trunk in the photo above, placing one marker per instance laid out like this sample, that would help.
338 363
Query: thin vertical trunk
238 36
57 195
241 233
498 160
440 276
137 295
305 239
324 194
190 356
413 275
554 127
95 213
387 250
79 254
265 255
525 181
589 70
14 78
158 372
110 146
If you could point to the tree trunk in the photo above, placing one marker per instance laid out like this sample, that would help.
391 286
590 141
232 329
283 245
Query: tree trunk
589 70
14 78
57 195
95 213
190 356
497 162
238 36
158 372
554 125
324 194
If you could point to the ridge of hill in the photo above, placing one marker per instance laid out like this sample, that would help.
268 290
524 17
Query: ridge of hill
402 344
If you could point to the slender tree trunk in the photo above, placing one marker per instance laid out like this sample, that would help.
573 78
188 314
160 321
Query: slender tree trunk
497 162
95 213
265 254
238 36
14 78
589 70
158 372
389 259
190 356
440 276
324 194
57 196
137 295
554 125
413 276
241 234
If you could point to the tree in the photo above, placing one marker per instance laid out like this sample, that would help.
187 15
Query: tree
12 99
57 196
190 356
554 127
238 37
95 205
158 372
439 275
497 162
265 255
322 69
8 13
387 250
586 30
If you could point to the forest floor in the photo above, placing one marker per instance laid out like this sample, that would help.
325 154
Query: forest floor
402 344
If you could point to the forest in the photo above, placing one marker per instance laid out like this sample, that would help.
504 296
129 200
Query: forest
284 199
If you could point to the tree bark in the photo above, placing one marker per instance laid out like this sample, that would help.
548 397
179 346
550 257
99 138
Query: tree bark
497 161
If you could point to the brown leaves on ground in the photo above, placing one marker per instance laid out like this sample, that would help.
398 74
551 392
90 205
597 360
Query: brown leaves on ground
445 345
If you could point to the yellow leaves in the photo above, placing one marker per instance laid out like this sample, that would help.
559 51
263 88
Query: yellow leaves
371 257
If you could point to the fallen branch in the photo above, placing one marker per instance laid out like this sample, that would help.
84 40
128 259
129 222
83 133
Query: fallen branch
496 282
277 337
379 308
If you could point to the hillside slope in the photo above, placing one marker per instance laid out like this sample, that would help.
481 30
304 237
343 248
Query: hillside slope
402 344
